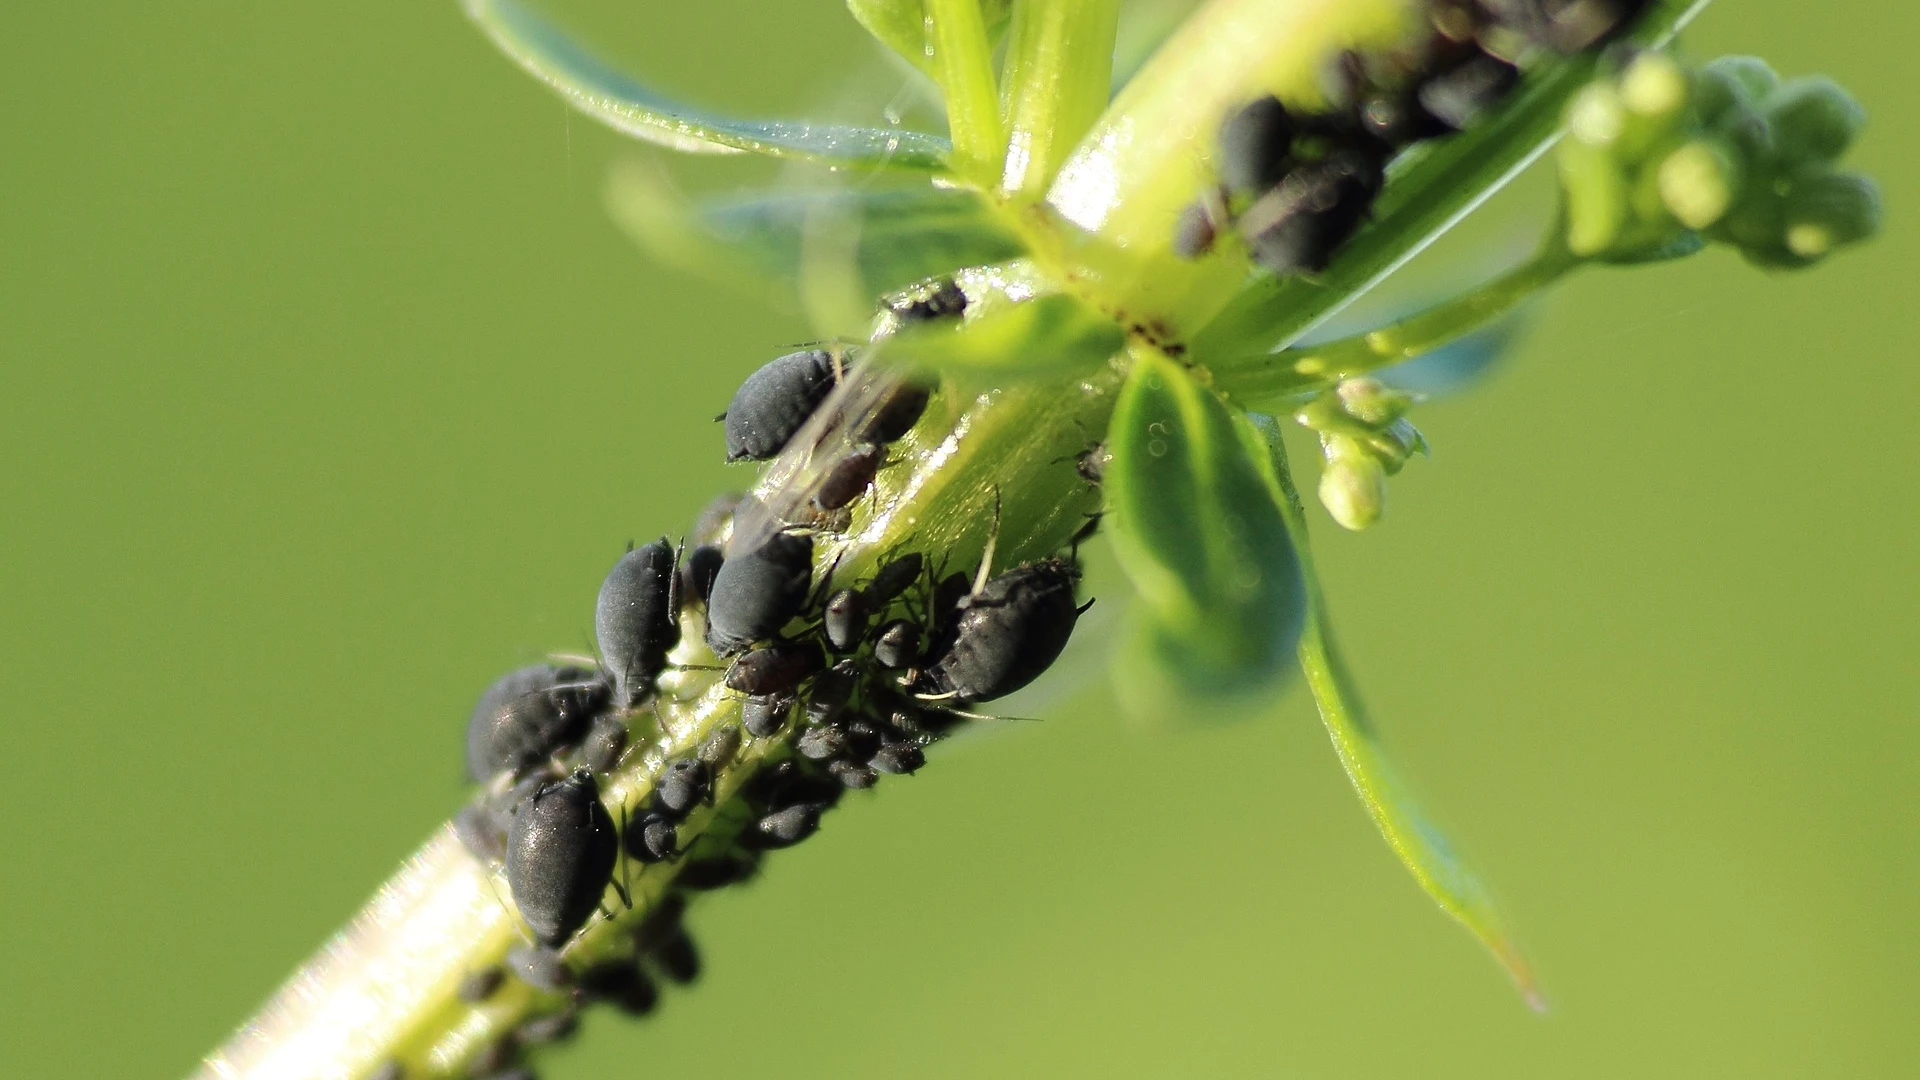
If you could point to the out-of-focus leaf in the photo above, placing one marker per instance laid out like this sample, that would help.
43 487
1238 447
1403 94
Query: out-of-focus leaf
1419 843
901 25
1197 526
621 103
791 242
1014 327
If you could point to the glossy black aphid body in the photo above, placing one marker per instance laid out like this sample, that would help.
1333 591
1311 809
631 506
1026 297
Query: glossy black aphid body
821 742
893 578
774 669
698 570
635 620
757 593
1255 144
898 759
764 715
479 985
561 850
783 828
897 646
720 746
830 691
853 777
895 414
653 838
606 740
849 478
775 401
683 784
1009 632
1300 223
845 620
528 715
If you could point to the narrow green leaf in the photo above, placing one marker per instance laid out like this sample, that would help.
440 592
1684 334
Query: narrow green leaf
872 241
621 103
963 66
1419 843
1054 84
901 25
1197 525
1014 328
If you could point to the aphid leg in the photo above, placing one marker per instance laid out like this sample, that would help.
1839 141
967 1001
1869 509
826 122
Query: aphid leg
1084 533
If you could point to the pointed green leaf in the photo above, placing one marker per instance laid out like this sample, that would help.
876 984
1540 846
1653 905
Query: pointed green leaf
1198 528
869 241
621 103
901 25
1014 327
1422 848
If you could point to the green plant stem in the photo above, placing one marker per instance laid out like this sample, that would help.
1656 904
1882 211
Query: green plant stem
1058 71
384 989
1266 376
963 65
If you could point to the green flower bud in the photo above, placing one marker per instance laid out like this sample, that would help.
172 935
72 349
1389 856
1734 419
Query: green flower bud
1731 82
1596 197
1654 86
1827 210
1698 183
1597 116
1814 120
1371 402
1353 486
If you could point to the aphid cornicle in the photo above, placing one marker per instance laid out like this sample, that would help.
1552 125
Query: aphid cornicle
635 619
1007 633
528 715
561 850
758 592
773 403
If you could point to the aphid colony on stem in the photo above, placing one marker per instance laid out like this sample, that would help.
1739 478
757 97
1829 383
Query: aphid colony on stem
1295 184
848 679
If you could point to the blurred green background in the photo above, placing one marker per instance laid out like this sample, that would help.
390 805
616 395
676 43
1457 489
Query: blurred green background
327 393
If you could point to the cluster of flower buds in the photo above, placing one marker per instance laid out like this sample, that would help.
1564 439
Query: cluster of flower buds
1659 160
1365 437
1295 184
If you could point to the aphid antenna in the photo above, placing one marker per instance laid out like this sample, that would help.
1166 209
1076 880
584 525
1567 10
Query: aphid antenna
986 555
1083 534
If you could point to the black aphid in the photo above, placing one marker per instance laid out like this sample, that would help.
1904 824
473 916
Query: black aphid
684 783
786 783
1298 225
933 299
493 1061
849 478
764 715
528 715
1007 633
622 983
775 401
853 777
830 691
717 872
898 410
655 837
863 737
606 739
783 828
719 747
1255 144
662 922
636 620
893 578
539 968
698 570
480 832
757 593
900 759
676 956
561 850
479 985
897 646
550 1028
845 620
821 742
1457 97
774 669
